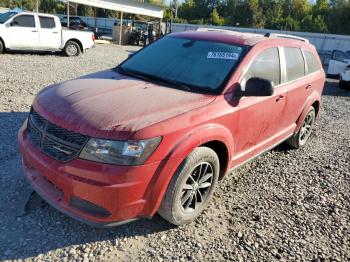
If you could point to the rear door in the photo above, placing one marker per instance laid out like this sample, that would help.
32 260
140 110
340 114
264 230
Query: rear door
259 121
50 33
296 82
23 32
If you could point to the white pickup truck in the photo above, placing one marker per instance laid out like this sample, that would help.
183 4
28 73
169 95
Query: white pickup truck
41 32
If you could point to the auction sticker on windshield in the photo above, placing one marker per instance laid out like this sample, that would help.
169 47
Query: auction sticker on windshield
222 55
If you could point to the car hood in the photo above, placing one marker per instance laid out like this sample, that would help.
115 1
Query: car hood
108 104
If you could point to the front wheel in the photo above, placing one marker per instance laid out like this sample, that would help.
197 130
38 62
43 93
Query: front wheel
299 139
191 188
72 49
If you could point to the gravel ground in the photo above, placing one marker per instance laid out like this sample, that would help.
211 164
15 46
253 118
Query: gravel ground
286 205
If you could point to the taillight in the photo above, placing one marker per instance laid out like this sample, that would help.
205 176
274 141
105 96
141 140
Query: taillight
93 37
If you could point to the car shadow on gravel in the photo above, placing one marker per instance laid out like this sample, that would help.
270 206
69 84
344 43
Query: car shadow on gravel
30 228
331 88
43 229
38 53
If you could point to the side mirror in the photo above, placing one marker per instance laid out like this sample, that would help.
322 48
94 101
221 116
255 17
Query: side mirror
257 86
13 23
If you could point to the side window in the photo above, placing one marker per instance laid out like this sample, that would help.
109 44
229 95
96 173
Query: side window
295 65
47 22
339 56
311 62
266 65
24 21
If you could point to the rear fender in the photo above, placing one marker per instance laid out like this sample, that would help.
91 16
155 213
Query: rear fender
314 97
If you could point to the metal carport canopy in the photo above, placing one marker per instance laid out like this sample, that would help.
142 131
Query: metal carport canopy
130 7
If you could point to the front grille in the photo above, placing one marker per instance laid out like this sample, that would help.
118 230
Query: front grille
57 142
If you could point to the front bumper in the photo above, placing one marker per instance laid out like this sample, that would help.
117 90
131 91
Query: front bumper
108 195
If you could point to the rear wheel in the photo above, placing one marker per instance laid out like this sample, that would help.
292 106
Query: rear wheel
299 139
72 49
191 188
344 85
1 47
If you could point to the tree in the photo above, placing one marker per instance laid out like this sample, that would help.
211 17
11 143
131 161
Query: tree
215 19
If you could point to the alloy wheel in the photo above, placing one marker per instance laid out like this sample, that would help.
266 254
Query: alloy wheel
306 128
72 50
197 186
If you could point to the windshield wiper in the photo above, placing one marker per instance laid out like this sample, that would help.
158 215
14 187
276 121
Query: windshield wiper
173 83
152 78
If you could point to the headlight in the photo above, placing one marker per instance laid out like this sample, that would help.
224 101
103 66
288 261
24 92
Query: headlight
127 153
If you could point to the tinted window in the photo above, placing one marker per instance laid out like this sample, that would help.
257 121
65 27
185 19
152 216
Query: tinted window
24 21
339 56
47 22
311 62
198 65
266 65
295 65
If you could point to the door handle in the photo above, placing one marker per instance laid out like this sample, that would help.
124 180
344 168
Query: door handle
34 31
308 87
55 32
280 98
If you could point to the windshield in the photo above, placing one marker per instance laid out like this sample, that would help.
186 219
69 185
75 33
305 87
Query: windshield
6 16
201 66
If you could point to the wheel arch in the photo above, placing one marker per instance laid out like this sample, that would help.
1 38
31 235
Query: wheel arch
76 41
216 137
314 101
222 152
316 105
3 43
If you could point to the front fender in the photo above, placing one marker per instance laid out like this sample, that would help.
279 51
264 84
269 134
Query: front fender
200 136
178 153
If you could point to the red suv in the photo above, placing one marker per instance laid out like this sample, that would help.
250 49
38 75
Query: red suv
158 132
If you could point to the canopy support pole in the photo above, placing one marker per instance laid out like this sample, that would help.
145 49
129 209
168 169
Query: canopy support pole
121 28
67 14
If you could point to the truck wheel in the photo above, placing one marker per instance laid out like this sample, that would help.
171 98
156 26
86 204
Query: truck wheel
299 139
72 49
191 188
1 47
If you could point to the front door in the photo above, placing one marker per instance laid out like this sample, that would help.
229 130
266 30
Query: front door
23 32
259 126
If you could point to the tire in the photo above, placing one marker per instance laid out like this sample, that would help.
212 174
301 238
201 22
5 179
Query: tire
72 49
301 137
344 85
2 48
191 181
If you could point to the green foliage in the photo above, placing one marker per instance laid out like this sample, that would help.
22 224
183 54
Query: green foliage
215 19
329 16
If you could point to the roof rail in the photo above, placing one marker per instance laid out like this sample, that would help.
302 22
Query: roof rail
287 36
207 29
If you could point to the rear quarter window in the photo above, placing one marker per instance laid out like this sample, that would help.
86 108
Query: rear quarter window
295 65
311 62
